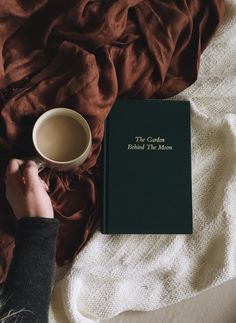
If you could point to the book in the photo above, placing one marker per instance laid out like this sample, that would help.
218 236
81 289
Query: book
147 186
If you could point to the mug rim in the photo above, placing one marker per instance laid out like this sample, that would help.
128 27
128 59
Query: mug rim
69 112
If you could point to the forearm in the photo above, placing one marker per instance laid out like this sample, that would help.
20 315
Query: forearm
29 281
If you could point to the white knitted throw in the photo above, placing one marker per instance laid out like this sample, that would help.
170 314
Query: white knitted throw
115 273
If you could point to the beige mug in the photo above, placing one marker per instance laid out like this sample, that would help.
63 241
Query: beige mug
62 139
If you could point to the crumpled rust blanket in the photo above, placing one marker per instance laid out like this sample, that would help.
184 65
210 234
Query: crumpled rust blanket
83 54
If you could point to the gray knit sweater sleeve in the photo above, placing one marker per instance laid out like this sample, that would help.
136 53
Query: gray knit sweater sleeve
29 281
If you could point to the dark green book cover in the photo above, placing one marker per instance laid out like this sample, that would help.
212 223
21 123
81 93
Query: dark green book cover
147 168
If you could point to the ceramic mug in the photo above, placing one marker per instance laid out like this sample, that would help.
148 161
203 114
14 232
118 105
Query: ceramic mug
62 139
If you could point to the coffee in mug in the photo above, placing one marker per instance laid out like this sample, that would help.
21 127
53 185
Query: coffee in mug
62 138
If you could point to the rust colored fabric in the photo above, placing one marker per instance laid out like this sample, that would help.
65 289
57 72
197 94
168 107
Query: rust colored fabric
82 55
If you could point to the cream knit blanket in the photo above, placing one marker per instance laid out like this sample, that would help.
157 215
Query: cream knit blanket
145 272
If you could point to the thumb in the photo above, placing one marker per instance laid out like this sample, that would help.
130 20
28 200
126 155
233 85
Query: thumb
31 175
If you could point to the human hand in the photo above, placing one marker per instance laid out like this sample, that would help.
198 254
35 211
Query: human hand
25 191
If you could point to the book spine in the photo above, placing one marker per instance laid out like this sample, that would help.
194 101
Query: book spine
105 173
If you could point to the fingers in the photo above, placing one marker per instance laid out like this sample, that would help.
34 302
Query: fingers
30 174
13 172
24 174
45 186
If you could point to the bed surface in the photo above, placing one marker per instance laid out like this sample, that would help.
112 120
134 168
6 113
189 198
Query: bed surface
217 305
